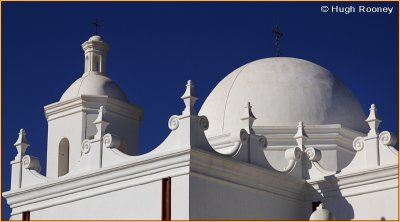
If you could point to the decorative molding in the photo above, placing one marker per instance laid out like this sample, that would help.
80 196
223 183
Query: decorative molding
358 143
319 136
31 163
111 141
86 146
173 122
387 138
262 142
203 122
88 102
313 154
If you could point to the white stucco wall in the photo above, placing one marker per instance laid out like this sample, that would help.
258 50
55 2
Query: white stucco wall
127 129
377 205
141 202
65 127
180 197
215 199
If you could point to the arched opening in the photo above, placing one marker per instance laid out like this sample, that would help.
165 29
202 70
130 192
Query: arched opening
87 69
95 63
98 66
63 157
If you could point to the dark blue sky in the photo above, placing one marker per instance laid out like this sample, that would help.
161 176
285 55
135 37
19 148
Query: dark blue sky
157 47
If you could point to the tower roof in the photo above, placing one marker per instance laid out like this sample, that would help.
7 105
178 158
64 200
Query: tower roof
92 84
94 81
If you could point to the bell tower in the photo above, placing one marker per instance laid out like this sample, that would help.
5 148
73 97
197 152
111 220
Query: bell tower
70 120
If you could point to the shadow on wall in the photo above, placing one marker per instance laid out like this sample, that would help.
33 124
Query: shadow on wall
333 199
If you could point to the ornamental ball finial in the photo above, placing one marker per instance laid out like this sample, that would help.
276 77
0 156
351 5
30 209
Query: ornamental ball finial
21 144
373 121
300 136
322 214
189 98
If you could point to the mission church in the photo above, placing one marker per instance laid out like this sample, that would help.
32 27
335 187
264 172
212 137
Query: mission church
277 139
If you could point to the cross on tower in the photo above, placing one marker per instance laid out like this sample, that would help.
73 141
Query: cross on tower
278 36
97 25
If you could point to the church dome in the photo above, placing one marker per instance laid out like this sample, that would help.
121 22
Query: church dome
282 92
94 84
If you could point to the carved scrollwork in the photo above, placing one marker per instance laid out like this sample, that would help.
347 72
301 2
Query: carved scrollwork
111 141
203 122
244 136
313 154
107 140
293 153
86 145
358 143
173 122
26 160
31 163
262 142
387 138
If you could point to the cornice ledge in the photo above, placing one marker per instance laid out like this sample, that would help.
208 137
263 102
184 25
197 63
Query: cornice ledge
127 109
138 168
328 129
356 178
124 108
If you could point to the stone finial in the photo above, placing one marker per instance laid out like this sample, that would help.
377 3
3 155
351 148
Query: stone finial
21 144
100 123
248 117
301 136
322 214
373 121
189 98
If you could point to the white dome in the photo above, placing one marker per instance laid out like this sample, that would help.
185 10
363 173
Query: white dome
282 92
94 84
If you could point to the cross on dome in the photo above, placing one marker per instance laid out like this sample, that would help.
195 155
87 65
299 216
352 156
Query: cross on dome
97 25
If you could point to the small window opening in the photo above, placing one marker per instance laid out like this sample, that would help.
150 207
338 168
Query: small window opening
166 199
98 66
63 157
26 215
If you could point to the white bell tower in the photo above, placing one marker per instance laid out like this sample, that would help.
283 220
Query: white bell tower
70 120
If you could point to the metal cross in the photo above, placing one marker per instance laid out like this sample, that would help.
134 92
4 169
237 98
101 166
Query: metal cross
97 25
278 36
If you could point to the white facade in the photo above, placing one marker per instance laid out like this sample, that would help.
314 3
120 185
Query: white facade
273 138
